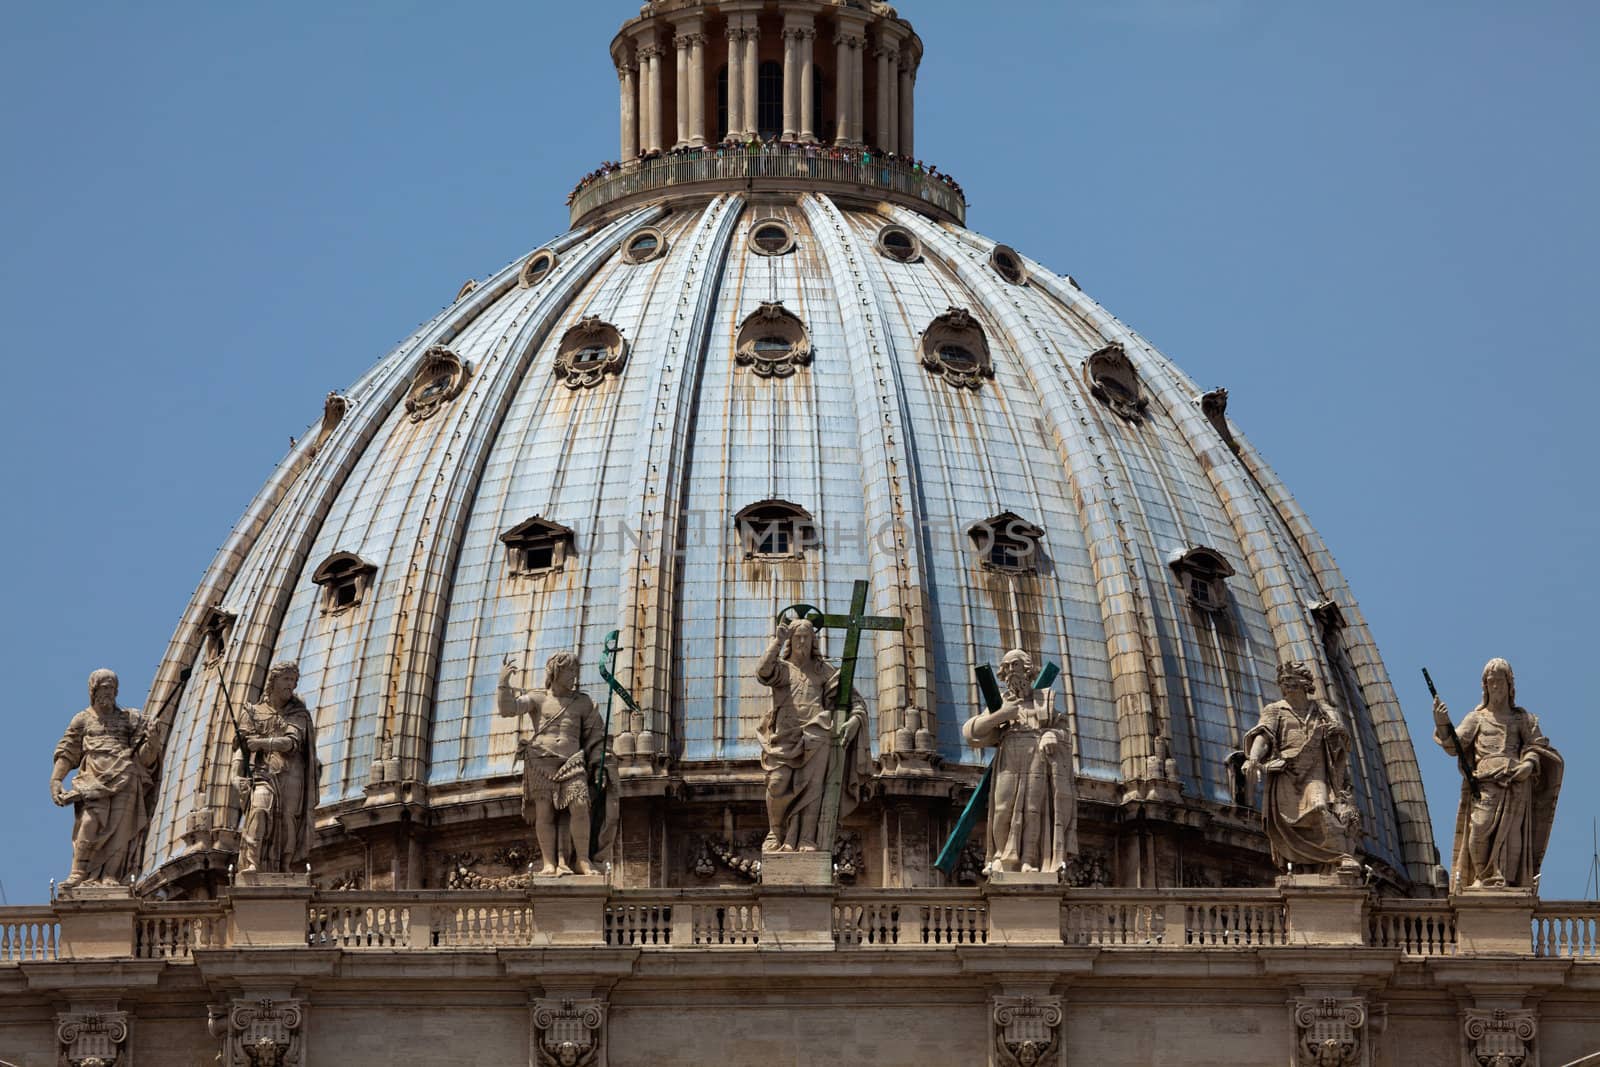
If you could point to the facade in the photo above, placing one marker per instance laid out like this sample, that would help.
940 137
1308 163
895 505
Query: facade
769 382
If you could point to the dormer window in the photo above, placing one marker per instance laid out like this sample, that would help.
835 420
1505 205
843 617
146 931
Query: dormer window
776 529
1329 618
345 579
215 631
1203 573
590 351
1008 264
955 348
537 547
773 342
438 380
1007 544
1114 381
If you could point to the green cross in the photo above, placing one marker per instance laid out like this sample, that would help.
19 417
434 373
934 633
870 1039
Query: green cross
852 624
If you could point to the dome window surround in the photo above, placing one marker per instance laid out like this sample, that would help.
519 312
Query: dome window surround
538 267
345 579
1203 573
1007 544
215 630
645 245
1214 406
955 348
438 380
589 352
898 243
1008 264
773 342
771 237
1114 381
776 530
1329 617
537 546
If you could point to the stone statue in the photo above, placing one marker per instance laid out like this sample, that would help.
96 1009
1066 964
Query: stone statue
277 785
1033 801
1302 755
1501 834
114 752
558 762
796 738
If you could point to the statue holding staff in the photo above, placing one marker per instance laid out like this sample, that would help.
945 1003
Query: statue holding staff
275 775
1502 831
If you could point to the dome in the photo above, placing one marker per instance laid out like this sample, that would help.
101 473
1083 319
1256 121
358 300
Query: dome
748 378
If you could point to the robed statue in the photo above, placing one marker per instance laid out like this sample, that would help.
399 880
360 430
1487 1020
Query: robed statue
275 775
115 753
797 739
1301 754
1033 798
1501 828
560 759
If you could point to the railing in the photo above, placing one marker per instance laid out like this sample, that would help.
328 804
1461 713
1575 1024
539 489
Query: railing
817 164
937 919
1175 918
1110 920
735 923
359 924
645 923
173 931
28 934
1415 927
503 923
1239 922
1567 930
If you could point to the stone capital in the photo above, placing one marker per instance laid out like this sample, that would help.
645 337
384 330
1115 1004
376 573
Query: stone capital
1500 1037
569 1032
260 1031
1332 1031
1026 1030
95 1036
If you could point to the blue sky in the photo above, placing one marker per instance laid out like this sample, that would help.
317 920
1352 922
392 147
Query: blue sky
1374 223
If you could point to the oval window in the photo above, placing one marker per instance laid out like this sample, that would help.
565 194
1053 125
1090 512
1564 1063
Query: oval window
771 237
958 358
539 265
1008 264
644 246
899 243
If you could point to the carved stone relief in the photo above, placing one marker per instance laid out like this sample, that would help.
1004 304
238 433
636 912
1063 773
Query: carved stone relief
570 1032
1501 1038
93 1039
260 1032
1027 1030
439 380
590 351
955 348
773 342
1330 1032
507 867
1115 382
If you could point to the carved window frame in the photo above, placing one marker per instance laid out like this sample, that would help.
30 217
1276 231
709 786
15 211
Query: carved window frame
776 530
439 379
538 267
345 579
1007 544
906 254
1004 261
589 352
536 547
769 325
957 329
1114 381
759 225
630 250
1203 572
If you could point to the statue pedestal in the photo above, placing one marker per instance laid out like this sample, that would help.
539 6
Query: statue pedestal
97 921
269 908
796 900
1024 907
1494 921
1325 909
569 909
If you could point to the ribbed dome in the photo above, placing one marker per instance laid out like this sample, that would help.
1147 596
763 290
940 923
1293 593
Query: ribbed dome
614 405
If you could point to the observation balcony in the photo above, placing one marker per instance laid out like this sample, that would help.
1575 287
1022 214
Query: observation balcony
849 173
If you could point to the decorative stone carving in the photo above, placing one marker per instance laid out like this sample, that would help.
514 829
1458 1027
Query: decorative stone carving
796 738
570 1032
1033 800
469 870
849 862
1114 381
113 754
1330 1032
1214 406
334 408
94 1039
955 348
590 351
1301 754
260 1032
773 342
1501 1038
439 379
559 761
345 578
1090 869
466 288
1509 803
1027 1030
275 776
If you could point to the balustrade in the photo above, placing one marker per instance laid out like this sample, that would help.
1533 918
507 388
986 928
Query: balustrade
1567 930
28 934
1415 927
